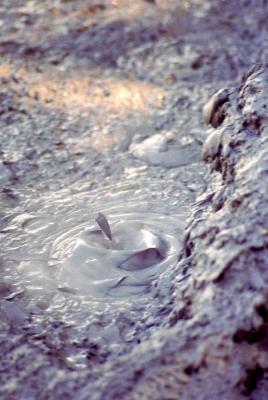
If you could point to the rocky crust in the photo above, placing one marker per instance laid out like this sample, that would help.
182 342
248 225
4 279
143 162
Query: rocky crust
205 335
216 346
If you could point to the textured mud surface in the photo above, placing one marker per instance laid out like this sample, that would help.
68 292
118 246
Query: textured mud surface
101 110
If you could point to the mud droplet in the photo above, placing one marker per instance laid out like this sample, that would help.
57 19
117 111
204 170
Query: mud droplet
104 225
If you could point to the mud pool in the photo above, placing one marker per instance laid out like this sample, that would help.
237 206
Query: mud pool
60 267
101 112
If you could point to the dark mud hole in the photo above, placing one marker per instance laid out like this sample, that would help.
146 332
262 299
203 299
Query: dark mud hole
101 110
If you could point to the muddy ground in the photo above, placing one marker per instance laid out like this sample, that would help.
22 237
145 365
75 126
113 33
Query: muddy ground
101 108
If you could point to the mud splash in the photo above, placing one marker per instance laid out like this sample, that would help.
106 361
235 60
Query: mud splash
142 248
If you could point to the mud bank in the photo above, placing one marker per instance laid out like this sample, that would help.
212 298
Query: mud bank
89 125
215 342
219 321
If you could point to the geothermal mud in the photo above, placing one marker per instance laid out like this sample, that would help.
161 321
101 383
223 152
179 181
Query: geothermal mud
101 111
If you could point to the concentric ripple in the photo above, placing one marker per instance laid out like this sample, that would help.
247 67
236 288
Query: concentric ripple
62 269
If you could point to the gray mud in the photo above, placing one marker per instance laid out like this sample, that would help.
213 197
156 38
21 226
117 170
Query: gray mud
101 111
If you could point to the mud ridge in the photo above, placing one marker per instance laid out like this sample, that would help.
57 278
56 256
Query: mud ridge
219 320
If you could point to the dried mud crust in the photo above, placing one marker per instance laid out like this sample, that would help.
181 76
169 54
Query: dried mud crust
221 317
218 324
81 84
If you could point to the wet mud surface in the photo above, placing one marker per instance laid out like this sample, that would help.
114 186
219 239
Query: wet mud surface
101 110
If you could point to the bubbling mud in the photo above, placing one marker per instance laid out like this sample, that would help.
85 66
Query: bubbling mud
63 269
140 250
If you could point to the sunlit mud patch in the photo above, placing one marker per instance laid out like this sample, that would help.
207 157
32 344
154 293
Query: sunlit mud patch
120 259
